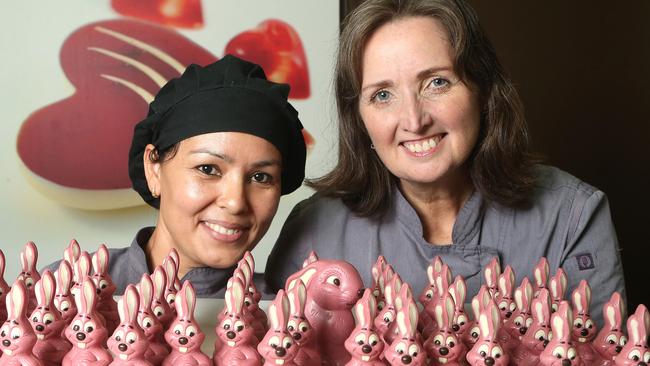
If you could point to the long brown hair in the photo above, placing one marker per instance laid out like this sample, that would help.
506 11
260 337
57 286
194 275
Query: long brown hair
501 166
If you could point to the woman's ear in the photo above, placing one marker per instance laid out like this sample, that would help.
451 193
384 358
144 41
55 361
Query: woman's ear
152 169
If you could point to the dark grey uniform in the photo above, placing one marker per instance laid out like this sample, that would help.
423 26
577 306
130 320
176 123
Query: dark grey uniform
569 223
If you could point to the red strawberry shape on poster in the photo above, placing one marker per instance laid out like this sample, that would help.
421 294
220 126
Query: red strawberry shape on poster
76 149
173 13
277 47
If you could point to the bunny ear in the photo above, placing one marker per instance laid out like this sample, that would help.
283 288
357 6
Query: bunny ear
72 252
305 277
506 281
44 288
311 258
173 254
63 278
638 326
146 291
235 296
31 257
159 282
297 296
561 322
558 284
129 304
523 294
581 297
87 297
404 295
444 311
541 307
407 318
17 301
458 291
170 269
83 264
492 272
278 311
364 310
185 307
244 269
442 278
377 269
489 320
100 260
250 260
541 273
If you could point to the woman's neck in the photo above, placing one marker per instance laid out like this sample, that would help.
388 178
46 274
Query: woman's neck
157 249
437 205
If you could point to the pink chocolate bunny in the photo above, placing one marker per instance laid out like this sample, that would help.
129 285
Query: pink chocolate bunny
610 340
442 279
87 333
377 286
333 287
63 300
458 291
159 305
106 305
385 321
537 336
560 350
474 332
29 274
153 329
491 274
636 352
173 253
425 320
72 252
236 345
171 270
277 347
540 274
128 343
47 323
584 329
17 337
487 351
300 329
504 299
252 289
4 288
557 285
444 346
406 349
80 270
184 335
521 319
364 344
258 317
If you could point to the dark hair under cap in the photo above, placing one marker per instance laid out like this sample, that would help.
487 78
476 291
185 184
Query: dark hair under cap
230 95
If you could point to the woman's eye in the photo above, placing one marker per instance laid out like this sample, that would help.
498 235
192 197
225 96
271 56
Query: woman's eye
208 169
439 83
381 96
260 177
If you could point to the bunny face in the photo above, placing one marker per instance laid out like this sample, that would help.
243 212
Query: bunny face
184 334
159 305
560 350
146 319
610 340
364 344
636 351
103 282
335 286
443 345
405 351
46 320
63 301
584 329
277 346
128 342
16 334
472 335
487 350
28 259
538 334
233 330
86 329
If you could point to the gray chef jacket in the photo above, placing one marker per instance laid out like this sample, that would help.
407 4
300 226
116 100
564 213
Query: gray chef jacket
126 266
569 223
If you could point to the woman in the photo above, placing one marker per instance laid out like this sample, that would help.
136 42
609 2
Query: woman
434 160
218 148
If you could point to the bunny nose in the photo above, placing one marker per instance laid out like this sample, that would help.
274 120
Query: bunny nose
523 330
6 343
81 336
545 342
489 361
360 293
40 328
297 336
182 340
584 332
618 349
122 347
508 314
99 291
231 334
280 351
406 359
566 362
455 327
366 348
444 351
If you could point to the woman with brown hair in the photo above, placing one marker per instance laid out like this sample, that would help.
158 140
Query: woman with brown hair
434 160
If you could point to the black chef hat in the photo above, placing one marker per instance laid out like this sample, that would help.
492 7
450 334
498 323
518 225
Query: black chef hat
230 95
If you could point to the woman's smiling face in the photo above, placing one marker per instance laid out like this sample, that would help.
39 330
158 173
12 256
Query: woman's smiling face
423 120
218 196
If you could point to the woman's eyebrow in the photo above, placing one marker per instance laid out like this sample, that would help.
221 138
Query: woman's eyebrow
378 85
265 163
223 157
432 70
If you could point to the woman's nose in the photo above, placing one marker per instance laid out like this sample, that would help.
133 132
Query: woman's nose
232 196
413 117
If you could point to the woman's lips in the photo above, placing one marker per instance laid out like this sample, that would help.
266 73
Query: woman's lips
423 146
224 232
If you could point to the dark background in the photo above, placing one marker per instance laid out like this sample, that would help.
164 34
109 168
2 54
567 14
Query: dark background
582 69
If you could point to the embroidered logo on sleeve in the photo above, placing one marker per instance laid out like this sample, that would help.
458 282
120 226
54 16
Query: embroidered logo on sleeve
585 261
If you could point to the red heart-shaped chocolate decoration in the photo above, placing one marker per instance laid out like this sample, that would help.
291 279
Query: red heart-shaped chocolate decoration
174 13
116 68
277 47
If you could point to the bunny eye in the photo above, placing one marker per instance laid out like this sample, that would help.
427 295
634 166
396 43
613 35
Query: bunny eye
414 350
519 321
29 281
119 335
304 327
540 335
429 294
247 302
571 353
578 323
3 332
287 342
388 317
48 318
558 352
103 284
635 355
400 348
553 307
190 331
131 337
239 325
589 324
171 297
483 350
380 305
147 322
64 305
89 327
513 306
16 333
35 319
529 322
373 339
360 339
451 342
375 293
274 341
497 352
646 357
291 325
158 310
611 339
623 341
503 306
76 326
334 281
474 332
437 340
178 329
462 320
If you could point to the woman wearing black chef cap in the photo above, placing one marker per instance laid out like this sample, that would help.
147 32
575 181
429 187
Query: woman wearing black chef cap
218 148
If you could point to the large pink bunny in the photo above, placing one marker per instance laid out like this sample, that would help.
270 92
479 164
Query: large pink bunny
521 319
610 340
106 305
540 274
236 337
63 300
487 351
557 285
461 324
159 305
406 349
4 288
363 344
491 275
128 343
184 334
537 336
153 329
48 324
560 350
385 320
636 351
444 346
29 274
333 287
505 299
584 328
86 332
301 331
17 337
277 347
